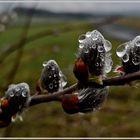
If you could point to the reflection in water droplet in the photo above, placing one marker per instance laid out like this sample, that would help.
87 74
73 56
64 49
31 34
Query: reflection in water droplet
121 50
136 60
81 38
11 94
53 68
107 46
51 86
100 48
88 34
125 58
97 64
81 46
17 89
44 63
86 51
93 46
24 93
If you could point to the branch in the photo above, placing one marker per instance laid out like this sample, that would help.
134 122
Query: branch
122 80
116 81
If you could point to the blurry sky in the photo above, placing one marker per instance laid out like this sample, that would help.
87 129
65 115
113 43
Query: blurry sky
99 6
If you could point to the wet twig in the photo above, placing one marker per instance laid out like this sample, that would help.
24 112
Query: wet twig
114 81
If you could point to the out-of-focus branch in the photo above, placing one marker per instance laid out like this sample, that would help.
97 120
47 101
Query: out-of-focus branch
19 47
115 81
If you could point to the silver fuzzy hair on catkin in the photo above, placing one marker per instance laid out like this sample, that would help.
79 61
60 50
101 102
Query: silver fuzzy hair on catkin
94 50
91 99
18 95
129 53
52 79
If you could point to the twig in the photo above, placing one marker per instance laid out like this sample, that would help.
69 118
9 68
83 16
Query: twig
116 81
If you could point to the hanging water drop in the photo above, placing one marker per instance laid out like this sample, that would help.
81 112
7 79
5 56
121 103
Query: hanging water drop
136 60
107 45
125 57
81 38
108 63
81 46
100 48
11 94
62 82
44 63
121 50
24 93
137 41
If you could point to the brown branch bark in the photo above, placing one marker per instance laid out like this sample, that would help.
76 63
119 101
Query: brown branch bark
115 81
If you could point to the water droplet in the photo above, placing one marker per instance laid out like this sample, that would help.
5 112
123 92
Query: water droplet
121 50
97 64
50 76
62 81
125 58
81 38
17 89
11 94
44 63
53 68
88 34
100 48
136 60
81 46
137 41
96 35
93 46
51 86
86 51
108 69
94 38
24 93
108 63
107 46
54 75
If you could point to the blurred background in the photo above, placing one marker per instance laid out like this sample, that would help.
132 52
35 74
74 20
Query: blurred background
33 32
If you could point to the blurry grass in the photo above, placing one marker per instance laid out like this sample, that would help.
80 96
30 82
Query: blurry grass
118 117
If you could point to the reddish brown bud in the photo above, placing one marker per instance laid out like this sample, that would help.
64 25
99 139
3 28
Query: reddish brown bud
4 103
70 103
81 70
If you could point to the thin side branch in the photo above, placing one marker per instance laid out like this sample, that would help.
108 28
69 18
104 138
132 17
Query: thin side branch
116 81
